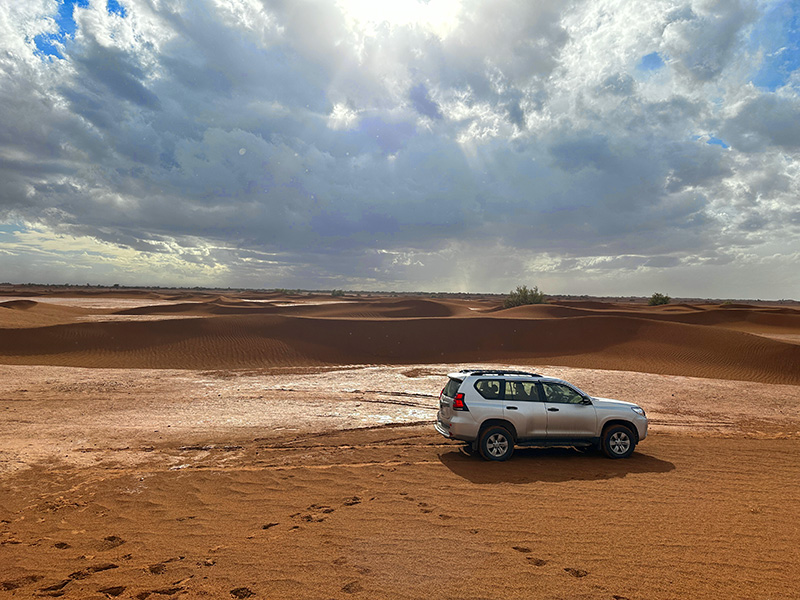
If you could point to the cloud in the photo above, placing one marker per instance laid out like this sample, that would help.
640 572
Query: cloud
766 120
453 146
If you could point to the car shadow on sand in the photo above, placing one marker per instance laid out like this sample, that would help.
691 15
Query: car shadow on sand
529 465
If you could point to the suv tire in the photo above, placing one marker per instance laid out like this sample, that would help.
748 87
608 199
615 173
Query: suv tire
496 443
618 442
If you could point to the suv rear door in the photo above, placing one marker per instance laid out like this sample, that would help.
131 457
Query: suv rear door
524 409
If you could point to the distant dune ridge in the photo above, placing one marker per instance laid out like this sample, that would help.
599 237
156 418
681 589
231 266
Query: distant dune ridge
727 342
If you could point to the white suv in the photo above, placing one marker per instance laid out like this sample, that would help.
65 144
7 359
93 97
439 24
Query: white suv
494 410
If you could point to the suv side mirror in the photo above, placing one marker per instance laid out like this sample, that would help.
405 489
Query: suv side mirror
586 400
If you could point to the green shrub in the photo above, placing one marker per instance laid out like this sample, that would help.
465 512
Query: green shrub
658 299
523 295
337 293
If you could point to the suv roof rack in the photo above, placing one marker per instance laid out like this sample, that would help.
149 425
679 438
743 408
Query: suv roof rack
498 372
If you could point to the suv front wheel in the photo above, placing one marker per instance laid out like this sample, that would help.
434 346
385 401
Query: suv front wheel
618 442
496 443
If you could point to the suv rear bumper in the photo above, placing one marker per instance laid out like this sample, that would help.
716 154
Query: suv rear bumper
466 432
441 429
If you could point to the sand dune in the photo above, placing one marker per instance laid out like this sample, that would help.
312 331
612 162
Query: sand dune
18 304
237 332
352 309
608 342
751 319
31 314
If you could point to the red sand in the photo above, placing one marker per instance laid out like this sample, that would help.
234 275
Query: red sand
256 477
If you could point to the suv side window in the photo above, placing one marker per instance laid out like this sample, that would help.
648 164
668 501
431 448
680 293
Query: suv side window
524 391
561 394
491 389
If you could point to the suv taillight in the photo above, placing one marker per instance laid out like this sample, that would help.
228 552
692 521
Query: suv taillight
458 402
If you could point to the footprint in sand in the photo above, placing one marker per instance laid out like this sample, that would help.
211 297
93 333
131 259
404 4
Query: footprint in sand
160 592
157 569
161 567
113 591
537 562
13 584
111 541
576 572
55 589
242 592
315 515
353 587
269 525
352 501
61 545
89 571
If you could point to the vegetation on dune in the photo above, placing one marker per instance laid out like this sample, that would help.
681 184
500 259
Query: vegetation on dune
522 295
337 293
658 299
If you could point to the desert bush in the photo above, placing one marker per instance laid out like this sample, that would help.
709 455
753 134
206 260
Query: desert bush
337 293
523 295
658 299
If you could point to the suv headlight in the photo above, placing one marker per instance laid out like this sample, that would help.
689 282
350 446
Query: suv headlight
638 410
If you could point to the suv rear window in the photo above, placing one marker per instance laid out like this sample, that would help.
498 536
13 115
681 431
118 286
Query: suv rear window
451 389
491 389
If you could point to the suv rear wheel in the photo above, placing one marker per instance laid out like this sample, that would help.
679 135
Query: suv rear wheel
496 443
618 442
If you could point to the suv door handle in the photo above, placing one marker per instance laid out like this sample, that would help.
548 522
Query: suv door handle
511 408
553 409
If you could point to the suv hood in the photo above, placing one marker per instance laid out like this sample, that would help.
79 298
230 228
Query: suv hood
611 403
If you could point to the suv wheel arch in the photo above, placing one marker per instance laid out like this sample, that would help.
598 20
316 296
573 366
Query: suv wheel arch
498 423
628 424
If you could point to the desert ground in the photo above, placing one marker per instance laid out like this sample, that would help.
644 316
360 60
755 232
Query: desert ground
160 444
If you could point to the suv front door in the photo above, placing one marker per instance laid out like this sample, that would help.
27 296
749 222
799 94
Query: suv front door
567 415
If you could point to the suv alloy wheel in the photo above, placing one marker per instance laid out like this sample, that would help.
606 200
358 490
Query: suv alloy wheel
618 442
496 443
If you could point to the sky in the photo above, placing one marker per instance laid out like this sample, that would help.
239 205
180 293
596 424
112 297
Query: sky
599 147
